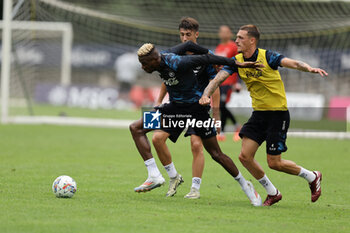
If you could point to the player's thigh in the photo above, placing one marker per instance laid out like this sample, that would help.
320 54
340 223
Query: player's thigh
170 109
249 148
256 127
201 113
137 127
277 133
211 145
159 136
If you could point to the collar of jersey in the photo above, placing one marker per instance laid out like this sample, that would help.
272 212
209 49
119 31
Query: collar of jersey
253 57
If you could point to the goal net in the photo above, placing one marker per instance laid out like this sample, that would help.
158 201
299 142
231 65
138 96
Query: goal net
317 32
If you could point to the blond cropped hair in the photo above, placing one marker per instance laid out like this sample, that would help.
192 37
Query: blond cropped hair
145 49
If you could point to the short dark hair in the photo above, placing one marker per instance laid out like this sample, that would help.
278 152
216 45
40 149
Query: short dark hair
252 30
189 23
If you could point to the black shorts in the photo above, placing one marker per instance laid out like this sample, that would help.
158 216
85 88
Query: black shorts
190 131
271 126
184 112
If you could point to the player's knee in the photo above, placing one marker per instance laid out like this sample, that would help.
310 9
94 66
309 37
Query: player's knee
158 138
216 155
196 147
133 127
244 158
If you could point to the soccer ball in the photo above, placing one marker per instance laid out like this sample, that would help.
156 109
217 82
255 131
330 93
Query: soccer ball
64 186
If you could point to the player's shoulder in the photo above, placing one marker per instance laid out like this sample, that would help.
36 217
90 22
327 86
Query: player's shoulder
170 56
166 53
273 54
172 60
261 50
238 57
269 52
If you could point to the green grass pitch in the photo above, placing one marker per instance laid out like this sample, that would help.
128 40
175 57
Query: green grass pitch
107 167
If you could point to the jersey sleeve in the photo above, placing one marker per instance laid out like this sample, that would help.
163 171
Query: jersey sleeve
231 69
189 61
188 46
273 59
211 71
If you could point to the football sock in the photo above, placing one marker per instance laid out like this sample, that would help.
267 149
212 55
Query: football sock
240 179
307 175
266 183
170 169
196 182
152 168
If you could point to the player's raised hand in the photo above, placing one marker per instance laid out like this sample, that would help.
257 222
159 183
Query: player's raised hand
318 71
204 100
250 64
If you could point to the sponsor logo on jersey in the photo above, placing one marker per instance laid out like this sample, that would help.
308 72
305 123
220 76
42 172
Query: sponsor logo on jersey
171 81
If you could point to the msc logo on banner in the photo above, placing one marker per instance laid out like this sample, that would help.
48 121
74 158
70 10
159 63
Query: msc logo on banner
151 120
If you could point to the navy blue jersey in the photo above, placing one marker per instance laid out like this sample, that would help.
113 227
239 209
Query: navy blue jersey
180 76
204 73
273 59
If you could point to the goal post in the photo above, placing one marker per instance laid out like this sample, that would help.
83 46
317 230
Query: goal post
65 68
5 61
10 56
67 39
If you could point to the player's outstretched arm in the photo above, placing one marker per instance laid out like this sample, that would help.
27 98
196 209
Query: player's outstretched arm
212 86
302 66
188 46
189 61
249 64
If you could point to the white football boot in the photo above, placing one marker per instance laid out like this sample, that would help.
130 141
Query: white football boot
173 184
193 194
252 194
150 183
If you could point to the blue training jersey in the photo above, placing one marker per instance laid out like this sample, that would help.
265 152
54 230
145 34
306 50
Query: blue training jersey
204 73
180 77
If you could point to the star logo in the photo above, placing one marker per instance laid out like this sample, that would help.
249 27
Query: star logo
151 120
155 115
